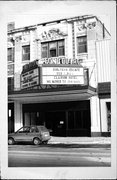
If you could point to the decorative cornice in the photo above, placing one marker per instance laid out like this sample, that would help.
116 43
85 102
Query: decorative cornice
52 34
84 26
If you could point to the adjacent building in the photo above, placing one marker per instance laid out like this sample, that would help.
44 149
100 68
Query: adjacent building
59 76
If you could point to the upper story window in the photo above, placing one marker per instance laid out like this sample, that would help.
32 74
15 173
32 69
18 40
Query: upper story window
61 48
10 69
53 49
82 44
10 54
25 53
10 83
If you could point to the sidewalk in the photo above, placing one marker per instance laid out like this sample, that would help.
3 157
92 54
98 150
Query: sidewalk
80 140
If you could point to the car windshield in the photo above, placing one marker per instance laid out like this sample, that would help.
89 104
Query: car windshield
23 130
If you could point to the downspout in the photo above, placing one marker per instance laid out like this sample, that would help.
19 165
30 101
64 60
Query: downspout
98 95
100 116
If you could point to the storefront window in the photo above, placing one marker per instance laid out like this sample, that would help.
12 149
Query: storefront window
82 44
61 48
78 119
53 49
25 53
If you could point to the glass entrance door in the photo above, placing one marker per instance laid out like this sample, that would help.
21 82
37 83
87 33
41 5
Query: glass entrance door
79 123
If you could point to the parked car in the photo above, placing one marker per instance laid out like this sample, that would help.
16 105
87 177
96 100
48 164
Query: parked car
35 134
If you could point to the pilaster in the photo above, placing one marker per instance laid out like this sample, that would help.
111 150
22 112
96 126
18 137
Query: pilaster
18 115
95 115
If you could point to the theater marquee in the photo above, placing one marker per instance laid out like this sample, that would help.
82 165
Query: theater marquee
62 75
35 74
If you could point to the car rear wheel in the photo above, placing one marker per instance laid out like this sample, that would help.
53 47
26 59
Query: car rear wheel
45 142
36 141
11 141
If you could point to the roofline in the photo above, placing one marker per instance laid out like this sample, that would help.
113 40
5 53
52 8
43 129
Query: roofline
58 21
49 22
103 25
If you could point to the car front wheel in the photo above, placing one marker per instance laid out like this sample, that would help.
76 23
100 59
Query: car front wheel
11 141
36 141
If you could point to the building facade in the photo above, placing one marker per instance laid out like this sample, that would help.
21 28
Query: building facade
59 76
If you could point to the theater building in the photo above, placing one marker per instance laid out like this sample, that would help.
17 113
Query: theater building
59 76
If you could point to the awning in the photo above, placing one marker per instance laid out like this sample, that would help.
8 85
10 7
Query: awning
104 90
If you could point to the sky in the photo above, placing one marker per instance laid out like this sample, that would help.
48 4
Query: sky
34 12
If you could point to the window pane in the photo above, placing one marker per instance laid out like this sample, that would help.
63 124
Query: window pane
53 49
34 129
10 69
52 45
61 43
82 48
44 49
53 53
61 52
82 39
21 130
61 48
10 54
26 53
82 44
24 130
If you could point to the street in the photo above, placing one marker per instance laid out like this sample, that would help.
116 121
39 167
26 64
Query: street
59 155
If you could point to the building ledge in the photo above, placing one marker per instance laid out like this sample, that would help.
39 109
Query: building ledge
56 94
52 88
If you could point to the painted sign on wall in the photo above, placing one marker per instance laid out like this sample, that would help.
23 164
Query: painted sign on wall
62 75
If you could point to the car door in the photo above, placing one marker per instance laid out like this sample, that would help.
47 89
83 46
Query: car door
34 132
22 134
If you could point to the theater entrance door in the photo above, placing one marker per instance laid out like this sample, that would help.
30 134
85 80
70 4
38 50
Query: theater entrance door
55 120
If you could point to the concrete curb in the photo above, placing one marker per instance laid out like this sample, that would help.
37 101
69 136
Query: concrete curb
80 140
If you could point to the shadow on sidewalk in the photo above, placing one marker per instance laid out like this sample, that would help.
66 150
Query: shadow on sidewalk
61 145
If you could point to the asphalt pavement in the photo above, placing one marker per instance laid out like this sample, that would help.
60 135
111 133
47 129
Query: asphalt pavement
62 151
